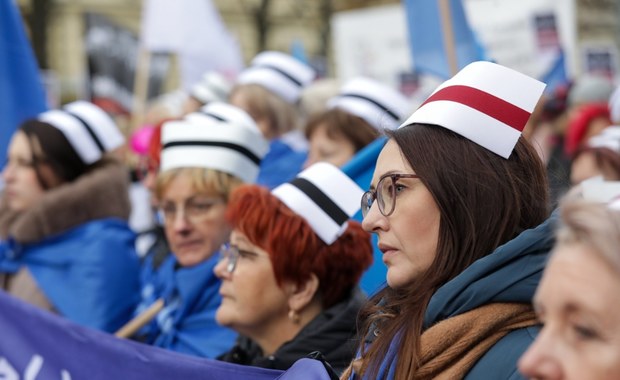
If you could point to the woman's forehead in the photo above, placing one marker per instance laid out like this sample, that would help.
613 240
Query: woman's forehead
390 160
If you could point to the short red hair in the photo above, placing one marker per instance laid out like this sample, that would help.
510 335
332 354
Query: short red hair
294 248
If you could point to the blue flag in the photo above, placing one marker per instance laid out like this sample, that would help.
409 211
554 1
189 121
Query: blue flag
556 75
21 88
360 169
426 37
48 347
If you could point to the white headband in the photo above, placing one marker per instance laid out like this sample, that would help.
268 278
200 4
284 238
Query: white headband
486 103
324 196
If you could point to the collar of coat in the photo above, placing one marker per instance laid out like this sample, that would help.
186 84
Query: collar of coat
100 193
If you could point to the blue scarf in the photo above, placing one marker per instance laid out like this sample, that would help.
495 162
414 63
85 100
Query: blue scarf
187 323
89 273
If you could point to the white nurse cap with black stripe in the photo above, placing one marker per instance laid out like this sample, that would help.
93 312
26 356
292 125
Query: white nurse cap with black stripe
208 143
324 196
379 105
279 73
89 129
212 87
225 113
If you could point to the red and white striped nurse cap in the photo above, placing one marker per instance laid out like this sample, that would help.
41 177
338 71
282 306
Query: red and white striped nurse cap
486 103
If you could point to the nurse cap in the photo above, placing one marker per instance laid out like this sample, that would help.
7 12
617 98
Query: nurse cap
211 87
229 147
279 73
90 130
379 105
486 103
223 112
324 196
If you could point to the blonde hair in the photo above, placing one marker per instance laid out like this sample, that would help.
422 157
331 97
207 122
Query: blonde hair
263 104
207 181
592 224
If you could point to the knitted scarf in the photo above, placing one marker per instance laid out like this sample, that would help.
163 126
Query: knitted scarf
450 348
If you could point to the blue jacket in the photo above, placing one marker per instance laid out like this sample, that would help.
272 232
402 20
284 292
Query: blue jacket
280 164
187 322
510 274
89 273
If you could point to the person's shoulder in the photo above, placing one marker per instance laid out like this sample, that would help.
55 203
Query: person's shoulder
500 361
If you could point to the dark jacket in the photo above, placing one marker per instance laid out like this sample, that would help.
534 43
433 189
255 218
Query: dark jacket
332 333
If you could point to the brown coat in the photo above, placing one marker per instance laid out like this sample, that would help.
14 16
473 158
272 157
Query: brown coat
100 193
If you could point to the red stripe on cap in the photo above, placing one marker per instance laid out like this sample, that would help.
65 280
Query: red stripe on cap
484 102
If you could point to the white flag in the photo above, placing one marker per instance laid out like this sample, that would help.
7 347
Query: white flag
195 31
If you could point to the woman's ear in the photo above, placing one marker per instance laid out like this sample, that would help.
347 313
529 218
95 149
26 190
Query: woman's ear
302 295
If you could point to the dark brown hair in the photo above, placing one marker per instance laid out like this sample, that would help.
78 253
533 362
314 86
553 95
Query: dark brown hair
55 152
340 123
484 201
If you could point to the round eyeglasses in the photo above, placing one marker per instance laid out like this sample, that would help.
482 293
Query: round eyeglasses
385 194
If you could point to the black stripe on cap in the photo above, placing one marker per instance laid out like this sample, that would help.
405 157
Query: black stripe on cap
222 144
89 130
390 113
323 201
284 73
213 116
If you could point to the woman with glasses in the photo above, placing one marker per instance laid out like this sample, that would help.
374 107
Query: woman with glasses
290 274
577 300
202 161
66 243
457 200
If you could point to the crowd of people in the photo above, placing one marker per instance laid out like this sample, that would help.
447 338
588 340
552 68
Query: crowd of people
495 206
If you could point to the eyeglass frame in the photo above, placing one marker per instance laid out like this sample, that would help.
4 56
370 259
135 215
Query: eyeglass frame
193 217
372 194
232 253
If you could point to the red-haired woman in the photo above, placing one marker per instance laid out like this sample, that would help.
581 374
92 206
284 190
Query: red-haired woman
290 274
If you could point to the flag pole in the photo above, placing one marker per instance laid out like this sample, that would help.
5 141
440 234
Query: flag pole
448 35
140 320
140 88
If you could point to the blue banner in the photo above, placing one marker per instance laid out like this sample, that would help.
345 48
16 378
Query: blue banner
556 75
38 345
21 89
360 169
426 37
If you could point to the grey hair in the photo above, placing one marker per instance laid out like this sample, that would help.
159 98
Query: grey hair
592 224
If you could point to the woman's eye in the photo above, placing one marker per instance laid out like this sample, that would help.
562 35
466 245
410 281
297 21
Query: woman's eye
246 254
168 209
399 188
585 333
202 206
